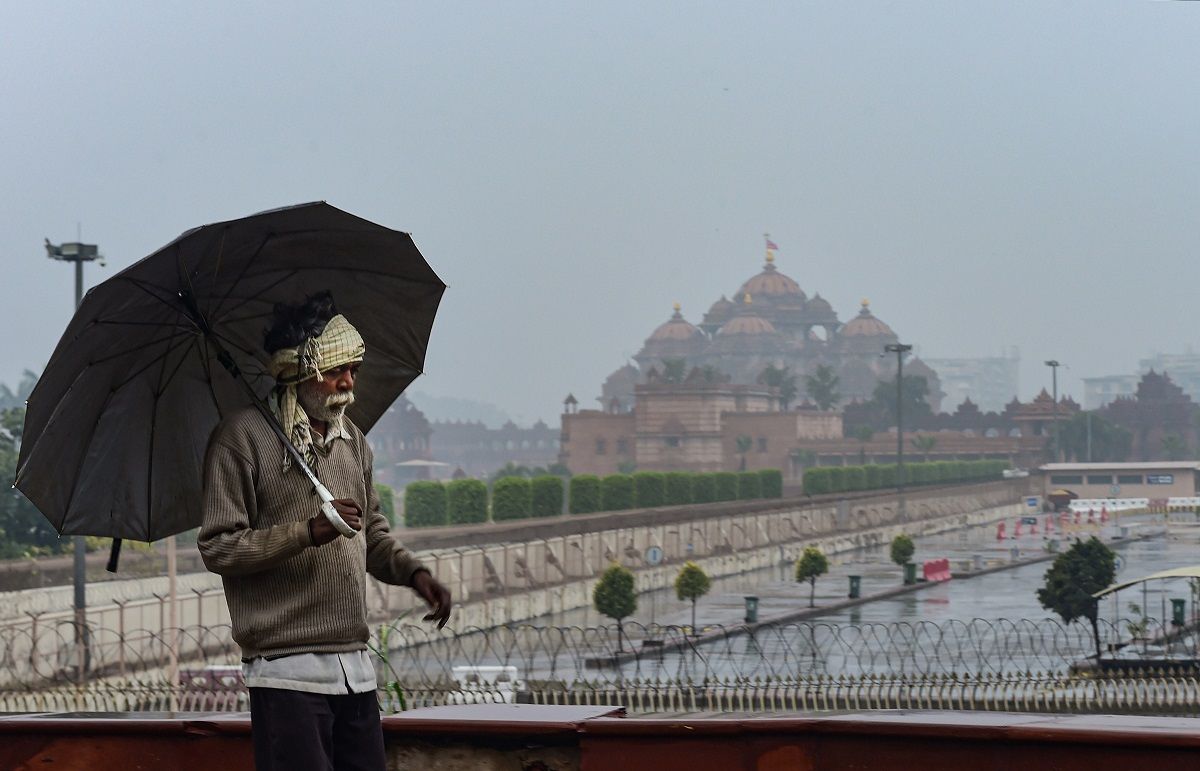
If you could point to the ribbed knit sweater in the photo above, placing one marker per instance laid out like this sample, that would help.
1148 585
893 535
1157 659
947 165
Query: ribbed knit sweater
285 595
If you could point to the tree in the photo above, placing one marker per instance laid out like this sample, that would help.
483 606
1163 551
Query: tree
691 584
614 597
13 399
1109 442
744 443
23 529
1175 447
783 379
1077 574
822 387
902 549
914 392
863 434
811 565
674 370
924 444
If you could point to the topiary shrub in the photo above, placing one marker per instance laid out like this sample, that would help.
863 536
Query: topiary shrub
837 479
816 481
616 492
856 478
466 501
387 502
874 476
584 494
425 504
678 488
726 484
749 486
546 496
649 489
512 498
771 480
704 487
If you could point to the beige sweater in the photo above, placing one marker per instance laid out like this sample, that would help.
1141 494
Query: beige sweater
285 595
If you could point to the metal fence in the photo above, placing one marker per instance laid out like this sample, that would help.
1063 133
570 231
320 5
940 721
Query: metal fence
1013 665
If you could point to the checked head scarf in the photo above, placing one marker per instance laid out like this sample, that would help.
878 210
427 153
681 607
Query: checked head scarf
339 344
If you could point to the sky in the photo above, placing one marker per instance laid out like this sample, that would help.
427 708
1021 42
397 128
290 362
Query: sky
989 174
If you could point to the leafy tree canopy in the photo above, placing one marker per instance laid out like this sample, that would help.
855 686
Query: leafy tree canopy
902 549
822 387
692 583
614 596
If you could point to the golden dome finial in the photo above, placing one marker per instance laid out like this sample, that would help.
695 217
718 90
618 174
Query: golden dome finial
677 307
866 303
770 257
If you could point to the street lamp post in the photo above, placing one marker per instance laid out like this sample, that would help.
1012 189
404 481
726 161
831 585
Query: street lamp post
899 349
1054 364
78 253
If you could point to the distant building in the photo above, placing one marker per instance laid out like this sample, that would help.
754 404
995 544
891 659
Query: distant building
989 382
1099 392
770 321
401 434
479 450
1184 369
1158 480
1160 417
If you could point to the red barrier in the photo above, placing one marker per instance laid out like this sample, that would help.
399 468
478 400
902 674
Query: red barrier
1000 532
937 570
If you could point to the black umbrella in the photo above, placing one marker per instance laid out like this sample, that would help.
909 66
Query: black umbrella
116 429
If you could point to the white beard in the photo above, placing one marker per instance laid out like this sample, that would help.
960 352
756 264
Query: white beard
328 408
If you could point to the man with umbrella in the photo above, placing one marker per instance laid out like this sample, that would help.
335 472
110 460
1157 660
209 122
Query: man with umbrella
295 586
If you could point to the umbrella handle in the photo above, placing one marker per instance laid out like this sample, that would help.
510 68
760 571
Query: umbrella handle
331 513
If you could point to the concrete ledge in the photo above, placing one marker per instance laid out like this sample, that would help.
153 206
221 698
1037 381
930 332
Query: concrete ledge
594 738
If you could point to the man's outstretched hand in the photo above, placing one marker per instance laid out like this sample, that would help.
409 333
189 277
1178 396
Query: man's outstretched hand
435 595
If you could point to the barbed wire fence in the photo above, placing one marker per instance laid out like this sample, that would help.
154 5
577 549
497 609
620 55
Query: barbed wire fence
1020 664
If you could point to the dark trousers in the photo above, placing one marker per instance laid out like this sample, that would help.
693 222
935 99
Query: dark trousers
298 731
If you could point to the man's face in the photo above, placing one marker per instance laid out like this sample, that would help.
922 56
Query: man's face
327 399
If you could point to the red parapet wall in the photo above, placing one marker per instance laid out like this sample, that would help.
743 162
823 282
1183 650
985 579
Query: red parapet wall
598 739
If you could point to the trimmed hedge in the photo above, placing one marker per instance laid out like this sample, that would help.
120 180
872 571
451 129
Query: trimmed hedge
616 492
584 494
678 488
837 479
512 498
726 485
546 496
704 488
425 504
387 502
466 502
649 489
771 480
749 485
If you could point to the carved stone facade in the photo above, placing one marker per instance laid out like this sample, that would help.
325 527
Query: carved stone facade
770 320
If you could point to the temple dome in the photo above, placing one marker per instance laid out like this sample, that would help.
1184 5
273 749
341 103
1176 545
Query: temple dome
676 328
866 325
772 285
746 322
819 304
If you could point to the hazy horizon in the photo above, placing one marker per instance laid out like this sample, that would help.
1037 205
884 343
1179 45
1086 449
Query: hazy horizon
989 175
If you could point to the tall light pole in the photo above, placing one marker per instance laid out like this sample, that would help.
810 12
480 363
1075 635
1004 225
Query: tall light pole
1053 364
78 253
899 349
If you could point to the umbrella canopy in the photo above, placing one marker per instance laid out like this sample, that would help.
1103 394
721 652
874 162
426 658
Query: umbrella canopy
116 429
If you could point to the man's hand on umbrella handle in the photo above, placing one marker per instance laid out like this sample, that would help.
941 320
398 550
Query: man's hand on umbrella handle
322 528
435 595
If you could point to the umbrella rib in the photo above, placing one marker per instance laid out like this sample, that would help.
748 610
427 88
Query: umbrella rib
138 347
245 300
171 349
241 276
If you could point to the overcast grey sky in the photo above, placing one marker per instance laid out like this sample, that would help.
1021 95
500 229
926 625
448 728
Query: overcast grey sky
989 174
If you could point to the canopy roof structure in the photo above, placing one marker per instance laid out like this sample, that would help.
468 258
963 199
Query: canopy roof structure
1188 572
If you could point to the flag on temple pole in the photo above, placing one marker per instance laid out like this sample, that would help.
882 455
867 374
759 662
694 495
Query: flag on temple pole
771 247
